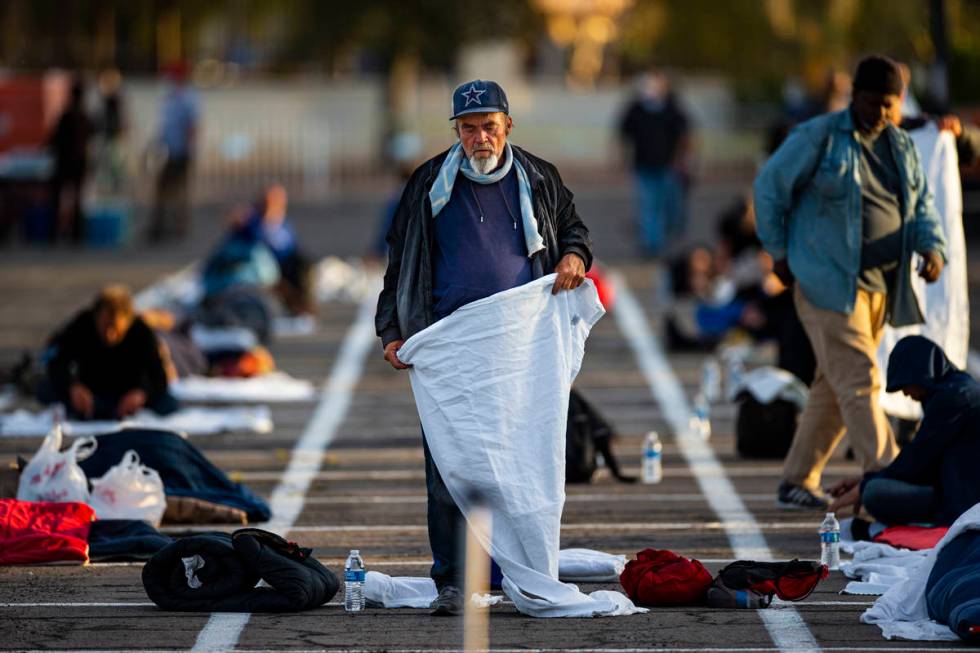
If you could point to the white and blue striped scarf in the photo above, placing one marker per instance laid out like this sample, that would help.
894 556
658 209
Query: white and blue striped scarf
457 162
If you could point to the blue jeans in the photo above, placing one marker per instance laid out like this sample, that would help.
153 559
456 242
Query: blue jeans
660 206
897 502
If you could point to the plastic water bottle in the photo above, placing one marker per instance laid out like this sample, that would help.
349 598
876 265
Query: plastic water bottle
711 379
354 582
830 542
701 416
653 468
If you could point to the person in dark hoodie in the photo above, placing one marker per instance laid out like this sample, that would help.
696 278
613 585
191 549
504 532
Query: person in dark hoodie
934 479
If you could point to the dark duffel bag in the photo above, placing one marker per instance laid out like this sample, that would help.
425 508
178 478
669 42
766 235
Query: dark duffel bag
764 430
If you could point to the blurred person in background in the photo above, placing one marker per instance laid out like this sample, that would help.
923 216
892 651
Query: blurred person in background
655 129
69 144
269 223
106 363
841 206
178 136
405 152
112 128
834 96
475 220
909 116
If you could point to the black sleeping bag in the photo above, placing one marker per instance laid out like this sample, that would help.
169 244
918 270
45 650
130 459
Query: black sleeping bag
953 588
217 572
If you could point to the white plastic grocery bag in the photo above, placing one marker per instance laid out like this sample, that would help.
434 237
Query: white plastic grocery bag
129 490
54 475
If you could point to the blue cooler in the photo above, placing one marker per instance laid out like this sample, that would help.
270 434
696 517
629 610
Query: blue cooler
107 224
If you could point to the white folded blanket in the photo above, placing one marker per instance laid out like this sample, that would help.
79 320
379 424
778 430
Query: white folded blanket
190 421
574 566
271 387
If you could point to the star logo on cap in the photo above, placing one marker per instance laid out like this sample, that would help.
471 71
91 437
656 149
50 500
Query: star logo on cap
472 96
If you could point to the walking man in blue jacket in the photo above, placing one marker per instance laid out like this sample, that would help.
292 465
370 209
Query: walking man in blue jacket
842 206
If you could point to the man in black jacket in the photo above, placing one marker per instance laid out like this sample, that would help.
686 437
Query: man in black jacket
480 218
106 364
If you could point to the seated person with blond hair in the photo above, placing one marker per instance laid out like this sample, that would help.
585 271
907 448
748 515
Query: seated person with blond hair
106 363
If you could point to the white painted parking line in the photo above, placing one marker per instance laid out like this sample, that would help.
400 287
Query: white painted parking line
651 498
222 631
729 649
671 472
80 604
786 627
731 527
146 604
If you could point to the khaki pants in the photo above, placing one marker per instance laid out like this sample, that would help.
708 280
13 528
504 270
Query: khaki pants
844 394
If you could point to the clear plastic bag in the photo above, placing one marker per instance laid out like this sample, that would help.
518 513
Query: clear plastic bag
129 490
54 475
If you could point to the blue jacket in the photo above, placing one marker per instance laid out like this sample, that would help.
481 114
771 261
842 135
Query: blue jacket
808 209
946 448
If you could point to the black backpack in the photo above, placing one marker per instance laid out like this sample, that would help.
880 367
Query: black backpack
764 430
587 435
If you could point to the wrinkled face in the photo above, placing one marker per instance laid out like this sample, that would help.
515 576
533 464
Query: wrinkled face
874 110
112 328
483 135
916 392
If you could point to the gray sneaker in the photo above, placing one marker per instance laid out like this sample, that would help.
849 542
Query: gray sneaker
795 497
449 603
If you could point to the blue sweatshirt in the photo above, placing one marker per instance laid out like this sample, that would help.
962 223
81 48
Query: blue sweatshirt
946 448
473 259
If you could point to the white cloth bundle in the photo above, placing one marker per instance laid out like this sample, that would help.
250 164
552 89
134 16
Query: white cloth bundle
574 566
491 384
272 387
878 566
190 421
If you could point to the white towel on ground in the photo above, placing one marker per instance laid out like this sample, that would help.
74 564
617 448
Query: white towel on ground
574 566
901 612
190 421
491 384
271 387
877 566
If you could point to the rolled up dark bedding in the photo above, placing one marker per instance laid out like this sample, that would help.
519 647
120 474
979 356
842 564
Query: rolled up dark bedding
184 470
953 588
217 572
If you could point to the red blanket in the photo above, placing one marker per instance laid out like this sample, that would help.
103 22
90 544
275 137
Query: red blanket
911 537
34 532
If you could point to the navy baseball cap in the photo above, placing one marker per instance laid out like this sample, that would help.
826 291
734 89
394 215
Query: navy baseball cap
479 96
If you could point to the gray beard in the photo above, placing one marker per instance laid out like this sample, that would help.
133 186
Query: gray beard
484 166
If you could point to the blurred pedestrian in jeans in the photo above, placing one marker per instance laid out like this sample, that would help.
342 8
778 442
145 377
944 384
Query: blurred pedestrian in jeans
842 206
655 129
177 138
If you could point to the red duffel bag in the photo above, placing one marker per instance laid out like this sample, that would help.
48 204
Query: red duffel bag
664 578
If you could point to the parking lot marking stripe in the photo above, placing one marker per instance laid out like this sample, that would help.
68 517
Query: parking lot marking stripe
786 627
747 649
222 631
